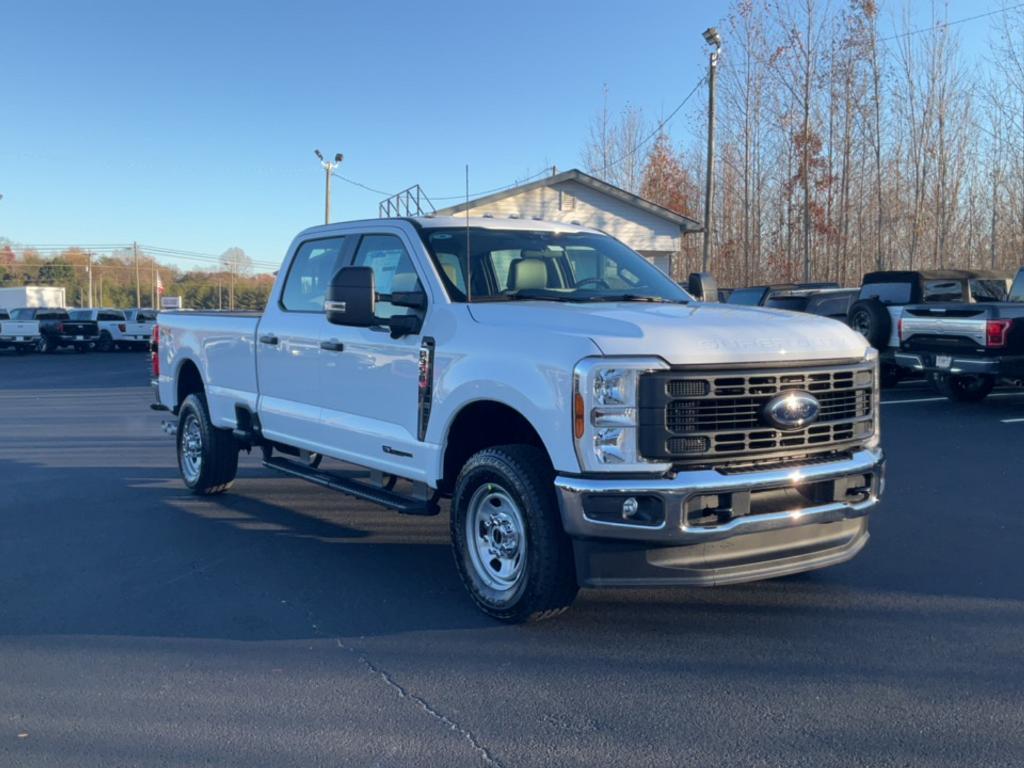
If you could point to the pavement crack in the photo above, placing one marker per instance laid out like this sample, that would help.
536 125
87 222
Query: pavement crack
403 693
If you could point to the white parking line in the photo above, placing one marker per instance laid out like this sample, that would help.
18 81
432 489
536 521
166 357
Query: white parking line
1011 421
942 399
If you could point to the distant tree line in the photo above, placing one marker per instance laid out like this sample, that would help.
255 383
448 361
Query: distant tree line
117 281
842 148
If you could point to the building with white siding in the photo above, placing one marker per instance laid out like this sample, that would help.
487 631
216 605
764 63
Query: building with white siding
578 198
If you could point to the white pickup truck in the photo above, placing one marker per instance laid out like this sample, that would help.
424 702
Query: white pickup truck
21 335
591 424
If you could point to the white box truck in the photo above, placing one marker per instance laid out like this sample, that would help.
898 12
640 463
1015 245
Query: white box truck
32 296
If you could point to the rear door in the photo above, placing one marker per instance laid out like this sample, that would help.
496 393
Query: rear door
370 381
288 344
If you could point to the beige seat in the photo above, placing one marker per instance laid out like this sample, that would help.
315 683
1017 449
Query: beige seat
527 273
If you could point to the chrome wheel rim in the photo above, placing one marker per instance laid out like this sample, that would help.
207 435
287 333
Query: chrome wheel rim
496 538
191 449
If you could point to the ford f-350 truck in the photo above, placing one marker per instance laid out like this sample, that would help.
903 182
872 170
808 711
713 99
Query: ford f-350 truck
590 423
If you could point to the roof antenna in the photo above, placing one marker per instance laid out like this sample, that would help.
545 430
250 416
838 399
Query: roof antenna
469 255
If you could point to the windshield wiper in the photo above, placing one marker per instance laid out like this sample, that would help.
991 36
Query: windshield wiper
635 297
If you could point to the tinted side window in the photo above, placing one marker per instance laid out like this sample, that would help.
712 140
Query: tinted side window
750 297
392 269
792 303
943 290
830 305
887 293
310 273
81 316
111 316
144 317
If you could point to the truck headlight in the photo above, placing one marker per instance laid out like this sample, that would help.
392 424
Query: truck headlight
606 414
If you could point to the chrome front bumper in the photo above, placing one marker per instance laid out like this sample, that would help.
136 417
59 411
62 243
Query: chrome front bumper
675 492
749 546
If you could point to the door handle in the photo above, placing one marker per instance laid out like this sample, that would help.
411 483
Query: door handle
332 346
268 338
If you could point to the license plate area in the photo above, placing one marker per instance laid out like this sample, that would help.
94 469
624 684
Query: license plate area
710 510
943 361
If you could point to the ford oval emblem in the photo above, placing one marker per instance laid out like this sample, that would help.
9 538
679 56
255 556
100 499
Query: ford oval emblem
792 410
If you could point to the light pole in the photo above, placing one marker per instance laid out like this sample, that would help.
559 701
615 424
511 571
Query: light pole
712 37
328 167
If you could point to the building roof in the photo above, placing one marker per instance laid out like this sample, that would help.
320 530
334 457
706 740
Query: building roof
686 224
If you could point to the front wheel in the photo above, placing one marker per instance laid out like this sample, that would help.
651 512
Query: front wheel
507 537
963 388
207 456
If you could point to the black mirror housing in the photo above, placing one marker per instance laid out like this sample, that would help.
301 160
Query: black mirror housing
352 297
703 286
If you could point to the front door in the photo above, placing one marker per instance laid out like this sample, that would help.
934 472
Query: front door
288 346
370 380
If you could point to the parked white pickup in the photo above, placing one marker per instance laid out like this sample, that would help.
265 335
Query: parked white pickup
22 335
592 424
120 328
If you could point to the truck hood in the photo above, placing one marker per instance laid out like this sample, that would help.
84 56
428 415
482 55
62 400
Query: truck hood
682 334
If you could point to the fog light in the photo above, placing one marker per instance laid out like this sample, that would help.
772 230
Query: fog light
629 508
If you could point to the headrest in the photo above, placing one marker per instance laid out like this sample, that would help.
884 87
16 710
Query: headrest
527 273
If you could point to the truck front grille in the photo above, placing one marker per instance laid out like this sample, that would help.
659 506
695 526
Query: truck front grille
708 417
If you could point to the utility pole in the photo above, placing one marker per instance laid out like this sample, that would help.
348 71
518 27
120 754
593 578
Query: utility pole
328 167
713 38
138 284
88 268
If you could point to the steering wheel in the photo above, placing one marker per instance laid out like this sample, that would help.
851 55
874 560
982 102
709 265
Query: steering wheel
595 280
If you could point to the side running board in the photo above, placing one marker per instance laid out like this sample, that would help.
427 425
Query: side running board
406 505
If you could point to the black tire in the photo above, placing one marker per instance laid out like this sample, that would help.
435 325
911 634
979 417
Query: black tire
545 582
105 342
81 348
210 466
48 345
890 375
871 319
964 388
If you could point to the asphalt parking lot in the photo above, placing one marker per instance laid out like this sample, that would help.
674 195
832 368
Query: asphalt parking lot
284 625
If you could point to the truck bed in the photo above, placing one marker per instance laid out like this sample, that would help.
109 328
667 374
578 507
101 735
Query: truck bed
226 345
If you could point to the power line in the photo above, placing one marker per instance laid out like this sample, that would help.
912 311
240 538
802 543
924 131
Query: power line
656 130
946 24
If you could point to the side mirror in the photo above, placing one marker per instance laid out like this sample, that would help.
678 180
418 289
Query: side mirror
409 299
352 297
703 286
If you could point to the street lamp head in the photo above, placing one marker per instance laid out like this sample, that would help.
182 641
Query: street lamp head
317 153
339 157
712 37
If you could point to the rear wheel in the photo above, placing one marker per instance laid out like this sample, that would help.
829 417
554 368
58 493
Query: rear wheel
963 388
207 456
105 342
507 537
47 345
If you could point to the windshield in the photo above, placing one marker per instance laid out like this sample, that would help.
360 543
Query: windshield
545 266
81 315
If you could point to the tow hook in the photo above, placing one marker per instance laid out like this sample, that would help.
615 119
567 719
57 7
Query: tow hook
169 427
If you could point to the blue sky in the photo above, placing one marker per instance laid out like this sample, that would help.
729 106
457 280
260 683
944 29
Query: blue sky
191 125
